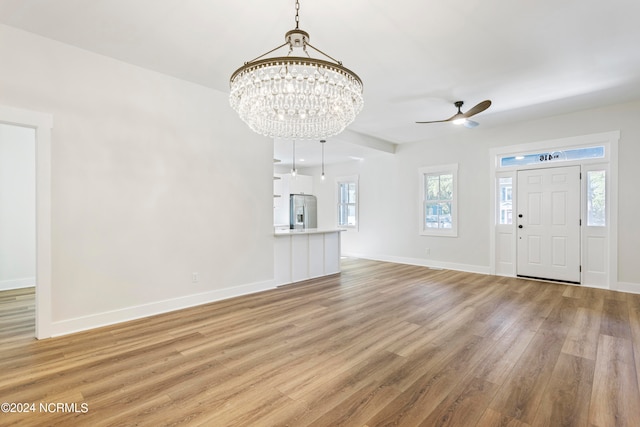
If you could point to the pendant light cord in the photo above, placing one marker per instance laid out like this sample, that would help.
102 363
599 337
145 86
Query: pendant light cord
322 141
293 171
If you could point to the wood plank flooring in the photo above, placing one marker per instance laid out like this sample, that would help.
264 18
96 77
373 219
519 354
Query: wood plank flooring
380 344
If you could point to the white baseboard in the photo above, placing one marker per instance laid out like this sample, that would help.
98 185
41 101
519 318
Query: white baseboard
632 288
26 282
84 323
424 263
596 286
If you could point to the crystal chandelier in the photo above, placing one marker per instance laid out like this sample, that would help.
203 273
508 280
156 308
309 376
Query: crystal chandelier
296 96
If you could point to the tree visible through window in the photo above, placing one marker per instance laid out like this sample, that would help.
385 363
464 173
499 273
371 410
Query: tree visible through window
438 200
438 194
505 200
596 199
348 202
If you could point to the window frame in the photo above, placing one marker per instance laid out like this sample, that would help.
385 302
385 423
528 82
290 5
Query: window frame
541 157
423 172
353 179
589 199
499 200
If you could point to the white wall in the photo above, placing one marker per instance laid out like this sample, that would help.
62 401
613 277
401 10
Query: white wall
153 178
389 191
17 207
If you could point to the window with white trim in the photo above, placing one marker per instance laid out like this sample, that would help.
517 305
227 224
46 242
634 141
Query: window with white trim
596 198
505 200
438 200
571 154
347 197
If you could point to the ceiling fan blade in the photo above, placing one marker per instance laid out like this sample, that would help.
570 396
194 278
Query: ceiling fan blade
435 121
478 108
455 116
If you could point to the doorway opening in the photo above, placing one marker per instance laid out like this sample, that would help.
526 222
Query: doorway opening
38 125
17 229
554 210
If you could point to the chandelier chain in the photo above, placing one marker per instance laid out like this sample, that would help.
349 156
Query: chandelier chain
297 15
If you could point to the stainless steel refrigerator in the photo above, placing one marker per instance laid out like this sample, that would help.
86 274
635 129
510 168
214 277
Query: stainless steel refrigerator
303 211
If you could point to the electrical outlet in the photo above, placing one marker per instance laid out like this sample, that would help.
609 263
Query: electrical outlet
195 277
427 251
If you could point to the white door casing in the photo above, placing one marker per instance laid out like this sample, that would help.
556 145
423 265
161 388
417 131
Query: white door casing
548 223
42 123
599 243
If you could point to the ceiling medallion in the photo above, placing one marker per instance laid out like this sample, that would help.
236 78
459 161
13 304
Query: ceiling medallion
296 96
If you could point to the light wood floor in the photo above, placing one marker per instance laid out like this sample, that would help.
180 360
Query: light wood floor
380 344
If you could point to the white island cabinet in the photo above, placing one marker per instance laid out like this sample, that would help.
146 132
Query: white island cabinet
305 254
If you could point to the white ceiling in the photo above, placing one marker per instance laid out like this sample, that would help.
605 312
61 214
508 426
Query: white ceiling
415 57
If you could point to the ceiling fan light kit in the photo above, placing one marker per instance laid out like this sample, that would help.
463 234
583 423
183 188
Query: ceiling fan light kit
461 118
296 96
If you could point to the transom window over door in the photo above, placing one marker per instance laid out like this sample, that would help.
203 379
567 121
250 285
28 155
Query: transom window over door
438 196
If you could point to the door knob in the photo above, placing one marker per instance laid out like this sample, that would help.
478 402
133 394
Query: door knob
520 226
519 215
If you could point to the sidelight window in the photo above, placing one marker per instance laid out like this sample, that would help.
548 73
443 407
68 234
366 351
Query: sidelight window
596 198
505 201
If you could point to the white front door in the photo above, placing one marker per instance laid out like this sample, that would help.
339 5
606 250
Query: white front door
548 221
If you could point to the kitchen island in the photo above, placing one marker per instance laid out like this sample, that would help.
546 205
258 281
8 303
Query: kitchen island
305 253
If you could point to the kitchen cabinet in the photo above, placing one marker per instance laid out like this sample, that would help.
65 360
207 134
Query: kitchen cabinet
300 184
283 186
305 254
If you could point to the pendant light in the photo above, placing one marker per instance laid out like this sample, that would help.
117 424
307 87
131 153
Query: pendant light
296 96
322 141
293 169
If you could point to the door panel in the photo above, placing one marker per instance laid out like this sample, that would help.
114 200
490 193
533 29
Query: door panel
549 223
559 208
534 253
534 210
559 252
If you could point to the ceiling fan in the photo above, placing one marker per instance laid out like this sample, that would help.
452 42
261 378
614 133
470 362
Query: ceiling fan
461 118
